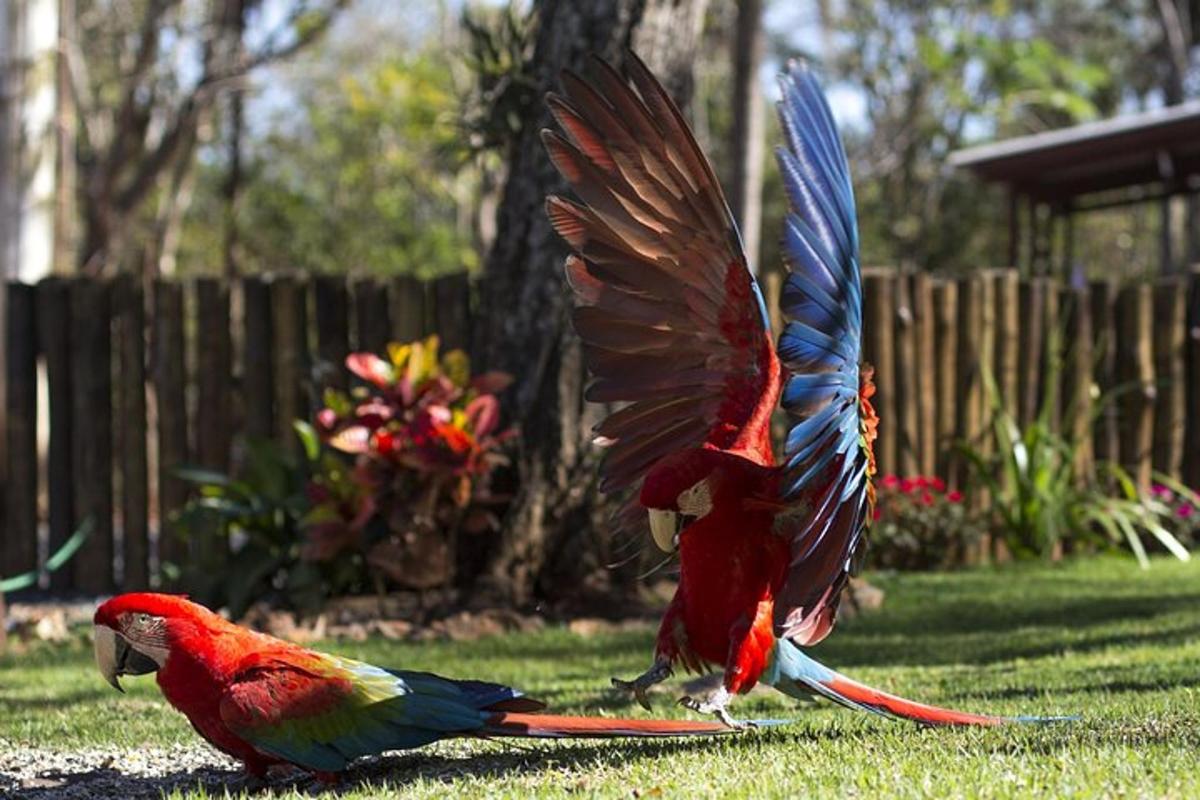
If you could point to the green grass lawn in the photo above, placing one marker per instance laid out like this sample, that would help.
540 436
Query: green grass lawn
1100 638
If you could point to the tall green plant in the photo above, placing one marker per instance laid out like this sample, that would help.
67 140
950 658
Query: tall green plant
1042 496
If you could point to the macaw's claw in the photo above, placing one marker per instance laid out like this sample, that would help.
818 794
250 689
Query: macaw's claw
716 704
639 685
248 782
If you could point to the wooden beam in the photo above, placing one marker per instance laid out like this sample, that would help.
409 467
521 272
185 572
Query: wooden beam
1166 257
1014 227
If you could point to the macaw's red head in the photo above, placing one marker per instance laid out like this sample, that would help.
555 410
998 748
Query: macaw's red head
134 633
676 488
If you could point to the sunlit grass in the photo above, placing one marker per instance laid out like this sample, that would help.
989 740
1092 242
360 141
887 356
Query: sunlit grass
1101 638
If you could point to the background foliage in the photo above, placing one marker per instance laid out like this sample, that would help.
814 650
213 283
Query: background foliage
380 147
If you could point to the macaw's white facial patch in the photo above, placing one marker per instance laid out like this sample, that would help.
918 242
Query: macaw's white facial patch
696 501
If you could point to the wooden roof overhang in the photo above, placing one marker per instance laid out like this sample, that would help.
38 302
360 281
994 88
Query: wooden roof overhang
1136 158
1160 147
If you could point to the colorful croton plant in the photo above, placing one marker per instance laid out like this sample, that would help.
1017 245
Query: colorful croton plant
424 438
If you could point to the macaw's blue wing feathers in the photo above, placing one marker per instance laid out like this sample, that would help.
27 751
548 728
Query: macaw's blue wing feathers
826 474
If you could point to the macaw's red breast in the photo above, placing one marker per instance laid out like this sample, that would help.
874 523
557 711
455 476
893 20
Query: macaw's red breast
731 565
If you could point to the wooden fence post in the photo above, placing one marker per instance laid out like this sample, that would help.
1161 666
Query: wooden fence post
331 306
905 368
452 310
19 538
130 315
970 383
91 385
258 370
408 307
1135 367
288 314
214 372
170 396
1170 341
1192 451
878 325
945 306
213 345
54 334
1052 352
925 372
374 325
1106 440
1077 372
1007 358
1032 344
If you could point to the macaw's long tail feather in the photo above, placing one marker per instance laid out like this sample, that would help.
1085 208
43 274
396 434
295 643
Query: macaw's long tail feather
796 674
549 726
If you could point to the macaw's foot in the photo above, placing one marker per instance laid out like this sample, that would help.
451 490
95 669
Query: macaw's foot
656 674
717 704
252 781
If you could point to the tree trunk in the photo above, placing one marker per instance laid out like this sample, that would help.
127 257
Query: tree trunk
527 333
746 134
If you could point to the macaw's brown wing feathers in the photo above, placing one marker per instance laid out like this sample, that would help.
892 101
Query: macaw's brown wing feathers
671 319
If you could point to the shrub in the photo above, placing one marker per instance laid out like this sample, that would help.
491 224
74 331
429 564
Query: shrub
424 437
919 525
1043 497
387 479
1181 507
257 519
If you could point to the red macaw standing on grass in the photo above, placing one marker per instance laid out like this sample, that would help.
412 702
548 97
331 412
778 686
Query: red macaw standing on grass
265 701
674 326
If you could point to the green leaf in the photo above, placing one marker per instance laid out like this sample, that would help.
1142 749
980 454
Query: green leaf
309 438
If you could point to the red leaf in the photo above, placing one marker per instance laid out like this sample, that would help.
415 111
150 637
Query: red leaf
491 382
371 368
354 439
484 414
376 409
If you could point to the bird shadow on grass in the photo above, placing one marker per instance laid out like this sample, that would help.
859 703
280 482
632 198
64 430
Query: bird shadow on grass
386 773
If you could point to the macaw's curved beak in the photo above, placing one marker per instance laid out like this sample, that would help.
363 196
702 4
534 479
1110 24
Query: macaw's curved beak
664 528
115 657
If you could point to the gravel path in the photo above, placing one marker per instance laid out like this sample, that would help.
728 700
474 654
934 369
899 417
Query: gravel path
101 773
39 774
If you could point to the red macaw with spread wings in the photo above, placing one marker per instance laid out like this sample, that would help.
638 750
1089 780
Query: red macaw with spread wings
674 327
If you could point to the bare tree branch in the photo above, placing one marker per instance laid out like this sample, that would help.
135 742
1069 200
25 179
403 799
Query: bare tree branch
1177 48
128 162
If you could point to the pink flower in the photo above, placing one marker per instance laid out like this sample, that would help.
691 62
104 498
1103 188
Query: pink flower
327 418
890 482
926 499
937 484
1185 511
954 496
907 485
876 513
